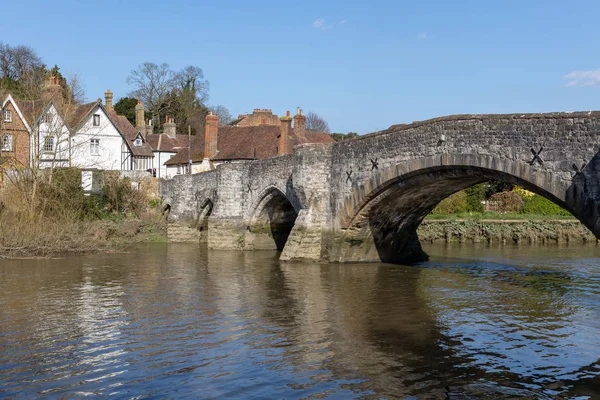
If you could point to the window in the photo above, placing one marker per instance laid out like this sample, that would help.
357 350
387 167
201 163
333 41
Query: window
7 116
7 143
96 120
47 118
137 142
178 169
48 144
95 147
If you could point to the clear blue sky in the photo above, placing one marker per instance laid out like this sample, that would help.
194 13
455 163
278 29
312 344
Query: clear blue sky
362 65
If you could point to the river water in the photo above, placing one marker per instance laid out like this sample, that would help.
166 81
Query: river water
176 321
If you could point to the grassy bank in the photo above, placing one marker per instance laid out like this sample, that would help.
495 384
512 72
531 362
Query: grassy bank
48 214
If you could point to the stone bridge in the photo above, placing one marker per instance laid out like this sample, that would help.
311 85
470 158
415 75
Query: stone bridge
363 199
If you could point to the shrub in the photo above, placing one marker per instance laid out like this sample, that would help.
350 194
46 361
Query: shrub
508 201
537 204
454 204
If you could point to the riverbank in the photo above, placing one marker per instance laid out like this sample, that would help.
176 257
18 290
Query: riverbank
525 230
52 237
45 213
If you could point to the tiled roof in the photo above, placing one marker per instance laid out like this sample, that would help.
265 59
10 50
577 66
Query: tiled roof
245 143
317 137
130 132
162 142
30 109
76 117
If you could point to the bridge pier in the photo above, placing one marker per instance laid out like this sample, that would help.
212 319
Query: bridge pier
395 246
310 238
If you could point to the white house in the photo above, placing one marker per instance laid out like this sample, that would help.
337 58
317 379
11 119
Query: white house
82 137
90 136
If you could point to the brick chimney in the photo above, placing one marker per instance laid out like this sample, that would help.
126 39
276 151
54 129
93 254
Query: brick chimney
210 135
108 98
139 116
52 89
149 128
169 127
299 124
284 137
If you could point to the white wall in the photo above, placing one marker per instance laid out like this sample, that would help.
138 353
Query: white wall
54 126
160 157
109 156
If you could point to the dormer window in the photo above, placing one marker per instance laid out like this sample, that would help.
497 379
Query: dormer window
137 142
7 116
96 119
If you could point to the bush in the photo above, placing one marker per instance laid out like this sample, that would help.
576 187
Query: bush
537 204
455 204
508 201
120 196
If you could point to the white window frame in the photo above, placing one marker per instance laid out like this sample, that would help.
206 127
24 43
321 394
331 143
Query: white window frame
95 147
137 142
47 118
7 116
178 169
7 142
96 120
48 144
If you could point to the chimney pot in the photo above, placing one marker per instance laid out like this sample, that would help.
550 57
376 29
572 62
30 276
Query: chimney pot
108 99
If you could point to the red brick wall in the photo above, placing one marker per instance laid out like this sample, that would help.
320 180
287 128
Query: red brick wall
20 140
260 118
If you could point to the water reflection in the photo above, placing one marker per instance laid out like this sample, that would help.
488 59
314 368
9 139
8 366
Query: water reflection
177 320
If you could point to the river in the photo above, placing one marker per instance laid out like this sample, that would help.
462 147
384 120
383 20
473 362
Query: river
176 321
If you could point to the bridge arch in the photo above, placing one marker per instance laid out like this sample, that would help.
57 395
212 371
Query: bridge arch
379 219
270 220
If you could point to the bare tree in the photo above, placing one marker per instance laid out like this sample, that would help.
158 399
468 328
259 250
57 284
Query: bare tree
316 123
15 61
223 113
191 78
177 94
151 83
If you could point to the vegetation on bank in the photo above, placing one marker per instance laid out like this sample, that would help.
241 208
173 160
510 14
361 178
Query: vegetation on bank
46 213
497 212
505 231
499 201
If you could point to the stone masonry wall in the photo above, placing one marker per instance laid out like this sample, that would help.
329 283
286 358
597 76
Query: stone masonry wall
566 138
328 184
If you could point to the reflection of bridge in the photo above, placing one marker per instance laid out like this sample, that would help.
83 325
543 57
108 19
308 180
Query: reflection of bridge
363 199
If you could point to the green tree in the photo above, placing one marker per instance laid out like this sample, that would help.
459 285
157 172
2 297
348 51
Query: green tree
126 107
475 197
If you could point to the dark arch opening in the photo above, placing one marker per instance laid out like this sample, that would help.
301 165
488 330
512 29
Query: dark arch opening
202 223
389 220
270 227
166 210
